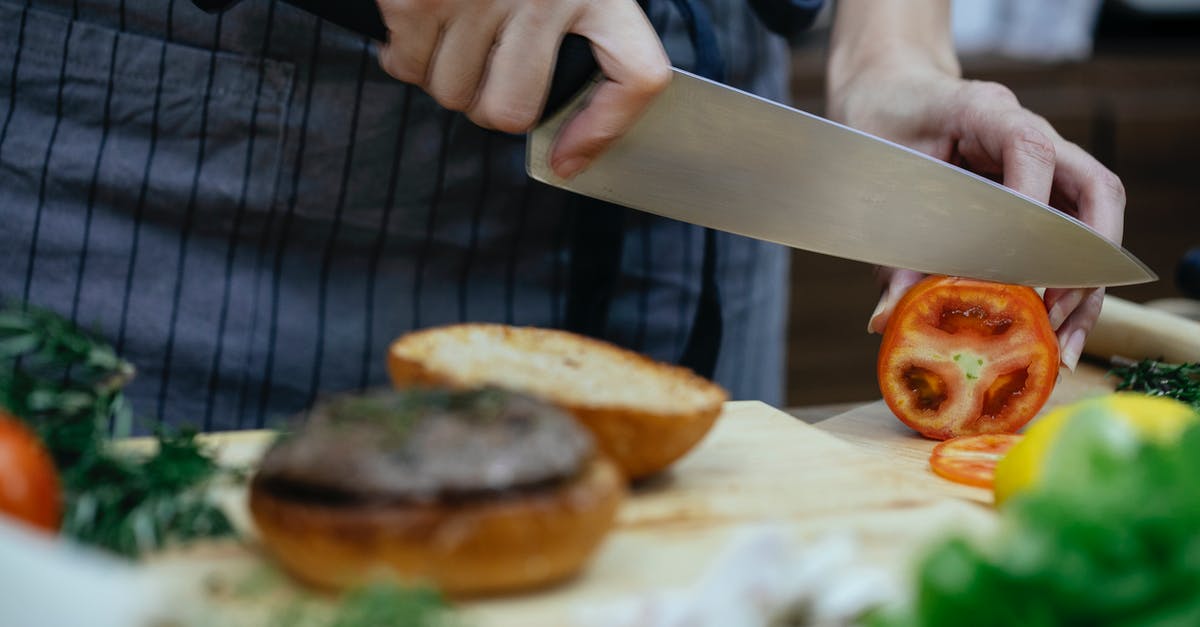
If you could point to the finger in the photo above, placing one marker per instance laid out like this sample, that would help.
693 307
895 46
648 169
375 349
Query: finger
461 57
1060 303
995 129
1074 330
518 73
1027 154
1098 194
895 283
635 69
406 54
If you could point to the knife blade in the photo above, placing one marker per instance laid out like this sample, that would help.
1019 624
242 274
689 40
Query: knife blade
715 156
712 155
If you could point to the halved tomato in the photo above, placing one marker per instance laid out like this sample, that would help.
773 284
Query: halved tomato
971 460
964 357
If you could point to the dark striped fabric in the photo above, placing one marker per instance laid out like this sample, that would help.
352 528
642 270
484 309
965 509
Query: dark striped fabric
251 210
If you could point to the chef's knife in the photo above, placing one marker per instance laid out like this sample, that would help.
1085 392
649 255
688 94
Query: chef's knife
712 155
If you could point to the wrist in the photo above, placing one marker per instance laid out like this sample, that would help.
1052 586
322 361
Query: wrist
891 58
886 39
895 68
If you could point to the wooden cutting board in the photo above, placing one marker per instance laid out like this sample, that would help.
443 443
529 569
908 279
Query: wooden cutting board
757 465
874 428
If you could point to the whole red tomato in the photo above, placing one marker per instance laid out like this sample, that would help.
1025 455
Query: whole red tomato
965 357
29 485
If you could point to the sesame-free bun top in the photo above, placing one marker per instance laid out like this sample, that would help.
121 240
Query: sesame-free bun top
643 413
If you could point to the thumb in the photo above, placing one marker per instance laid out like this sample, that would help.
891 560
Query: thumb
895 283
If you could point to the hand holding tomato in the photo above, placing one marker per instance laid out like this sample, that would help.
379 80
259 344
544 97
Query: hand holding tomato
1072 312
983 128
893 73
29 486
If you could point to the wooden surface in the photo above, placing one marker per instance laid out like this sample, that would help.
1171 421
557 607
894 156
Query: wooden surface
757 465
874 428
1137 331
817 413
860 471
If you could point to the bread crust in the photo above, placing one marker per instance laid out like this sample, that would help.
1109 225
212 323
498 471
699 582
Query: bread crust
468 548
642 440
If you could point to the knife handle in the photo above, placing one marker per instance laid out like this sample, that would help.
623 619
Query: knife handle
573 69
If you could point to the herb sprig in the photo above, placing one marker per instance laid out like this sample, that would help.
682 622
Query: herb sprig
1178 381
264 596
67 384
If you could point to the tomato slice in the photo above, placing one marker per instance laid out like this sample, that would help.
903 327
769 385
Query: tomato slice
29 484
964 357
971 460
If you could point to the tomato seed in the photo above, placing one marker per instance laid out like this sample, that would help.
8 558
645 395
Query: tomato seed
927 387
1003 389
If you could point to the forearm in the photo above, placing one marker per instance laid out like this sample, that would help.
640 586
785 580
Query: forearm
867 34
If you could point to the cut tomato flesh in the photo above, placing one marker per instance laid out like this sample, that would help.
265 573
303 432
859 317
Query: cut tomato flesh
971 460
972 319
1005 388
928 389
964 357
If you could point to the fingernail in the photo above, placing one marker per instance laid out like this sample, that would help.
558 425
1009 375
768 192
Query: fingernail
1073 349
883 302
570 166
1065 304
1058 314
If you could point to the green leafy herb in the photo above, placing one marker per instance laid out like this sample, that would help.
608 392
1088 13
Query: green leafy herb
1111 537
394 413
62 380
67 384
384 604
265 596
133 505
1178 381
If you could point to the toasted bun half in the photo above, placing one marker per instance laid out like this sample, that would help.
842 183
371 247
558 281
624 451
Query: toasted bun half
642 413
468 547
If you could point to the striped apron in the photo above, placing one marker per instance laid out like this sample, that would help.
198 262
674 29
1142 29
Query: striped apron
250 209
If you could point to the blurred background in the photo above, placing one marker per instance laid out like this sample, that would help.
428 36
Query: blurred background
1120 78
